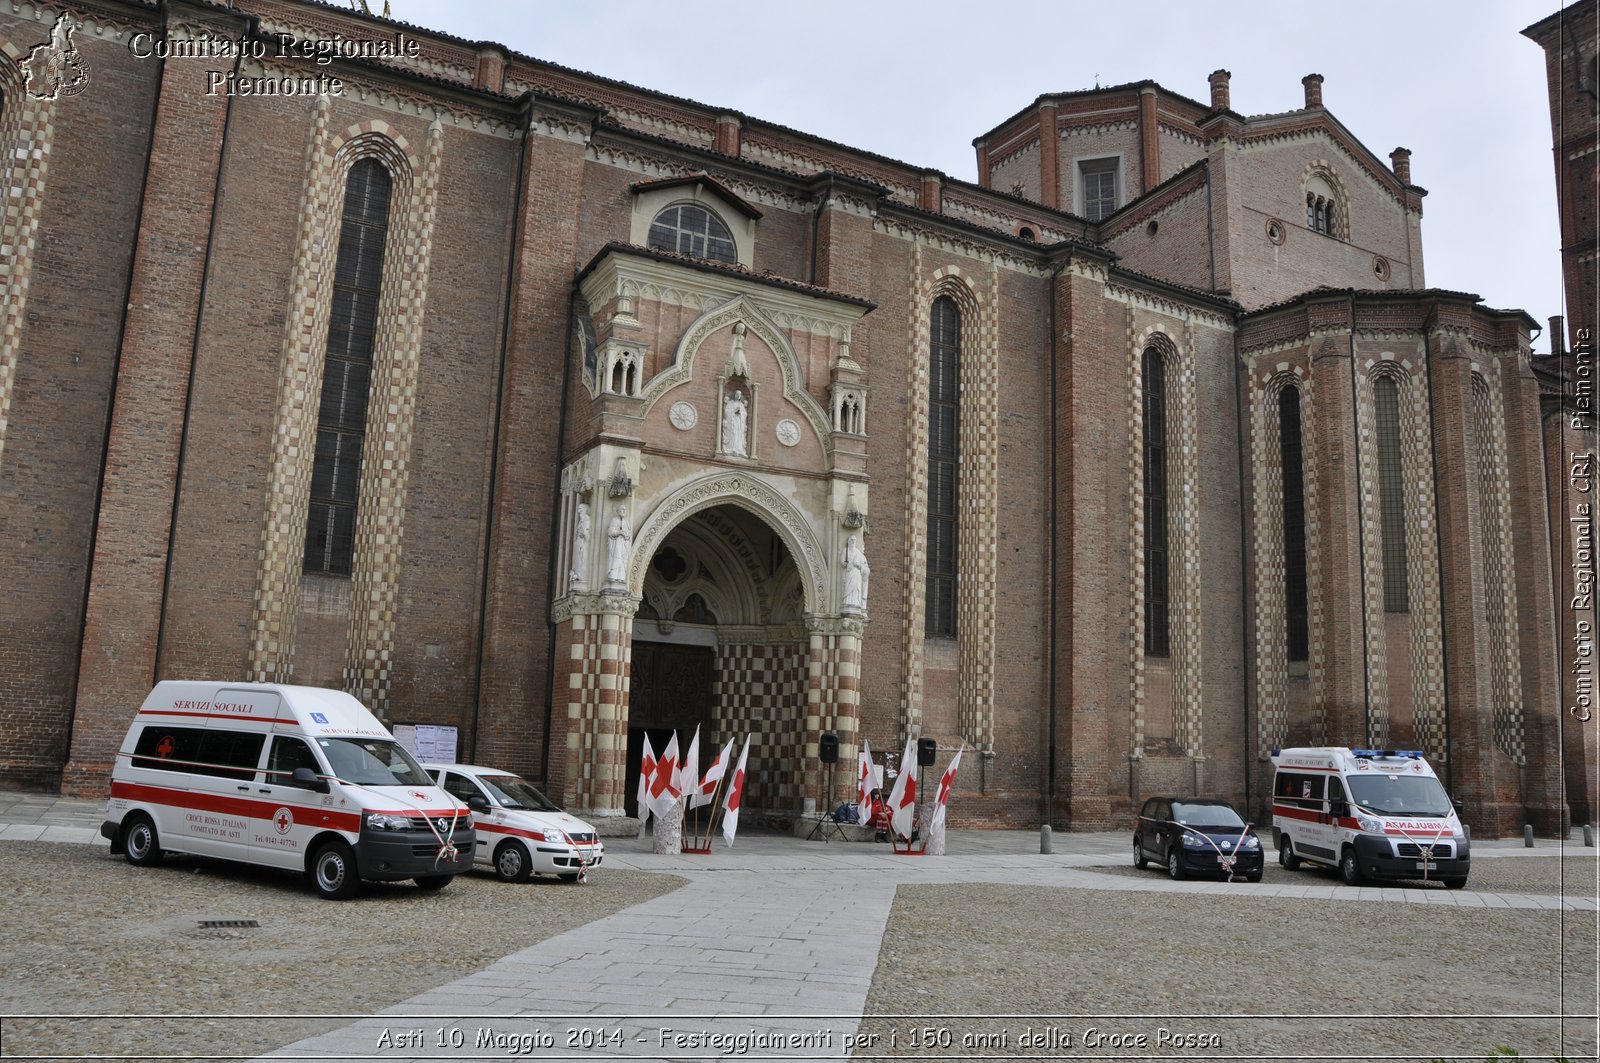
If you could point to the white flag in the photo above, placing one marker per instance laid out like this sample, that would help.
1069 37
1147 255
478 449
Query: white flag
664 791
903 798
707 789
735 798
947 782
689 770
647 771
864 784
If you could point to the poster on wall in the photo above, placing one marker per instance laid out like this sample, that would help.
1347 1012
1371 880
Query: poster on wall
430 743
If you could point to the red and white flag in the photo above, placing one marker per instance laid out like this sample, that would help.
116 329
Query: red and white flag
903 798
703 793
689 770
664 789
731 803
947 783
647 771
864 784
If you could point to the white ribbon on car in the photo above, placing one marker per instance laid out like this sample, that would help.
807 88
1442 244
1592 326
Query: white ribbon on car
1224 860
1425 850
447 848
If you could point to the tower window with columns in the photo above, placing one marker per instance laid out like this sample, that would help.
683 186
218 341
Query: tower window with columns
346 377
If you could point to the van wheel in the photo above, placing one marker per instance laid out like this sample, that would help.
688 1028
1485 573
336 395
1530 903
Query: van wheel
333 871
432 882
511 863
1350 868
1456 883
1174 866
1139 860
1286 855
139 841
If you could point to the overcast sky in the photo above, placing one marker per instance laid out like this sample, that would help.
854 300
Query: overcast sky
1453 80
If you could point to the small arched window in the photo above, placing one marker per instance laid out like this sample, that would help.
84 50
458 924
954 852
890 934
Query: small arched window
690 229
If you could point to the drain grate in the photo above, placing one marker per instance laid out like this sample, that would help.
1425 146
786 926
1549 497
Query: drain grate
220 924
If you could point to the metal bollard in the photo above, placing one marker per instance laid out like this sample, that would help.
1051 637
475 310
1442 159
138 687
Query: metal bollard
1588 835
1527 835
1044 840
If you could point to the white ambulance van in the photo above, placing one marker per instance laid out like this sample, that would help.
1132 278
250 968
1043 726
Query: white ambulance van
1370 813
287 776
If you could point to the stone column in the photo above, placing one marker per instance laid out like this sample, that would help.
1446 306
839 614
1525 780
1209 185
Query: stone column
597 634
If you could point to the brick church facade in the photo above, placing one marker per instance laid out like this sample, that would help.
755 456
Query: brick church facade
561 412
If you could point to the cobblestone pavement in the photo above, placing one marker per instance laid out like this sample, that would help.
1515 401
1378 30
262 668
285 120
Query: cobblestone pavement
780 948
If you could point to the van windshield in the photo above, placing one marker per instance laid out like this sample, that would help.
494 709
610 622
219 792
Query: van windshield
1399 795
373 762
513 792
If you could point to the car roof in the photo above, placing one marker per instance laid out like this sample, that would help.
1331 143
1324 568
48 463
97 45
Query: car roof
465 769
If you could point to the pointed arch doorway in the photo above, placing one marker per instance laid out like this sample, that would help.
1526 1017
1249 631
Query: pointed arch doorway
720 642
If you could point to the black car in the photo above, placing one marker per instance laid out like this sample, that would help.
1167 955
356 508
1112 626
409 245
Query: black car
1196 836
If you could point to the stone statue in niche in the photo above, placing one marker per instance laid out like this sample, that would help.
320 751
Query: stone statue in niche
580 548
619 539
735 423
857 573
737 366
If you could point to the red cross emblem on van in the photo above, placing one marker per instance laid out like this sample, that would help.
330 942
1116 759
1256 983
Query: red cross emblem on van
166 747
282 820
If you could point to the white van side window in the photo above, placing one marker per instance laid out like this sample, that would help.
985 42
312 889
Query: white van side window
199 751
287 755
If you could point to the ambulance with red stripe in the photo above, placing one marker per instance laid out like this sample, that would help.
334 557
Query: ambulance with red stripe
1371 813
520 831
287 776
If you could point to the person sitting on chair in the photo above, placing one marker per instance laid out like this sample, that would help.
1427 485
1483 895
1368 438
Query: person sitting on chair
879 817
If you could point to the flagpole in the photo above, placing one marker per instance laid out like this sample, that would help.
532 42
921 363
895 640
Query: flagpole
711 825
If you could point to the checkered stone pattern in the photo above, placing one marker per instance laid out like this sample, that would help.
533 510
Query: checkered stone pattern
281 559
1183 592
386 456
761 689
975 299
1270 606
1500 585
1426 656
281 563
914 587
833 695
26 128
600 669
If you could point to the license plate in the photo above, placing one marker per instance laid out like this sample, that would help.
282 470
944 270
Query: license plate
1427 866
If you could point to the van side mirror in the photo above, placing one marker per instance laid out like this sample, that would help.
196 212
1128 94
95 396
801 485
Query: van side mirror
1459 807
477 803
1339 808
307 778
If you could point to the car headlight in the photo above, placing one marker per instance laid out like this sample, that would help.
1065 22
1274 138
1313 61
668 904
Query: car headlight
556 837
1251 843
1195 841
1374 826
383 821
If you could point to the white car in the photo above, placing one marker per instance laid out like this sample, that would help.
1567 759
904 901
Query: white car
520 831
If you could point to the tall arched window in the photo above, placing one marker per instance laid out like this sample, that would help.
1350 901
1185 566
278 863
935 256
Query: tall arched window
944 429
1157 636
1294 525
689 229
1391 495
347 374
